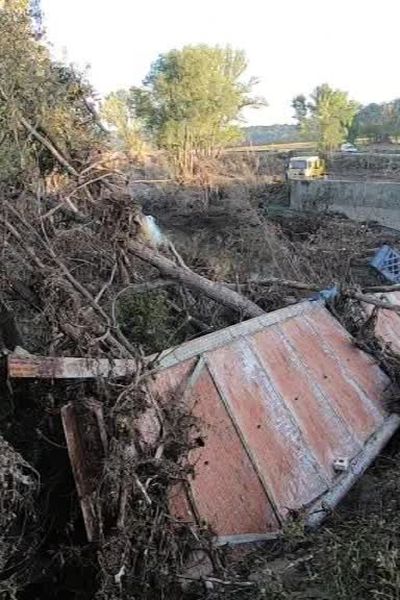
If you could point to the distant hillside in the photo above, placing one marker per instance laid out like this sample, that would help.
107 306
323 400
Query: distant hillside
270 134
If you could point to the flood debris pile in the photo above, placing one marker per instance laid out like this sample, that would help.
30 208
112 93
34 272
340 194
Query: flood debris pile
81 278
141 549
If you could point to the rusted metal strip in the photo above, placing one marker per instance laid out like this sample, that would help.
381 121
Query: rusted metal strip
248 538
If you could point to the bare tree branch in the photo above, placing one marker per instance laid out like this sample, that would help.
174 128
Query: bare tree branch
216 291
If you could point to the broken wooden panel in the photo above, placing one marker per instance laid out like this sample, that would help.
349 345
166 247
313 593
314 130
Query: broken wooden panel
224 473
324 430
361 367
325 367
226 489
266 427
180 505
279 398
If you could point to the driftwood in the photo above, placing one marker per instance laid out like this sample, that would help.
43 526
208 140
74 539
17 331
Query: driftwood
367 299
375 289
85 484
216 291
298 285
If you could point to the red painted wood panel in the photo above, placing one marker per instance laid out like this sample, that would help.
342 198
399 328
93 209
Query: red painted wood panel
388 327
267 427
226 489
325 367
324 431
180 506
388 322
295 396
360 366
172 382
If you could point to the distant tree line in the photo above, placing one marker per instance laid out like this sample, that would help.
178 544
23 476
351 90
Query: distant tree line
330 117
270 134
377 122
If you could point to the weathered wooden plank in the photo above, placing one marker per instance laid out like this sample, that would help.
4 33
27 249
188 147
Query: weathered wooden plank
226 490
361 367
324 431
268 430
40 367
85 464
341 391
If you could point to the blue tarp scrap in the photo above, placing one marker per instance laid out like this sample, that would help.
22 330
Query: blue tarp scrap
387 262
326 295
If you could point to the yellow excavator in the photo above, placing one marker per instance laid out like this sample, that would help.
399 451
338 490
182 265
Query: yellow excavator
306 167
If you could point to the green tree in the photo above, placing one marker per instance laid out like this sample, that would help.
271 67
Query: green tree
299 104
37 93
379 122
191 101
327 117
369 122
117 111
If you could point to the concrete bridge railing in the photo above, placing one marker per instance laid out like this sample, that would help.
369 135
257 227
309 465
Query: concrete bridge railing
360 200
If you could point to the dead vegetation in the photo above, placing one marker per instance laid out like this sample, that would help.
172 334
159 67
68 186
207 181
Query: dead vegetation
77 288
80 280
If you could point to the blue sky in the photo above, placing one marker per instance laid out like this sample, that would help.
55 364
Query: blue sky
291 45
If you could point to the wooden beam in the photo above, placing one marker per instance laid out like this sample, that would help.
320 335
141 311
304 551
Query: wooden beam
85 463
41 367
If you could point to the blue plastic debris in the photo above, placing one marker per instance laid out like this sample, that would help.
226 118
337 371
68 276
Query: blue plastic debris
387 262
326 295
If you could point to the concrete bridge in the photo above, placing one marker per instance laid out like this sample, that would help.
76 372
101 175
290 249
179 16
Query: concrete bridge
360 200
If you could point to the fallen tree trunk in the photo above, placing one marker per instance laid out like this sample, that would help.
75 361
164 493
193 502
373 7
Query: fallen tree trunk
216 291
298 285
